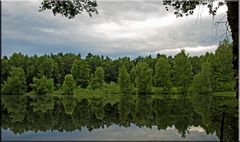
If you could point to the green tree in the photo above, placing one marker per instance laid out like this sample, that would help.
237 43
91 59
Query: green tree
31 72
223 67
143 77
203 81
124 80
126 62
18 60
150 61
5 69
196 64
97 79
43 85
162 77
68 85
81 73
182 71
111 70
45 66
93 61
64 63
133 76
16 83
56 75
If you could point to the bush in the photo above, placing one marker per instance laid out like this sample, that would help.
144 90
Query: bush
15 84
68 85
111 88
42 86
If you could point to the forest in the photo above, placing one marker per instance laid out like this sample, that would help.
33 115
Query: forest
70 74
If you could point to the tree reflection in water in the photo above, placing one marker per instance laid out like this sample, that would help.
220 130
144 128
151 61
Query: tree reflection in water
69 113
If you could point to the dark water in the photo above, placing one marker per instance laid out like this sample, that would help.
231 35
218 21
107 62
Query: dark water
120 117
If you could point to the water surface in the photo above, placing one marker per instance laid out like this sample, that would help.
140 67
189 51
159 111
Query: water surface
120 117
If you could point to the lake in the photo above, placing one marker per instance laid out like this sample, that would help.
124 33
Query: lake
120 117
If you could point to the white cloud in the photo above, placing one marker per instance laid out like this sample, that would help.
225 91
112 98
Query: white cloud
134 133
198 129
131 29
53 31
199 50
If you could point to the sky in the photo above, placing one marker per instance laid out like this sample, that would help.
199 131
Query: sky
122 28
115 132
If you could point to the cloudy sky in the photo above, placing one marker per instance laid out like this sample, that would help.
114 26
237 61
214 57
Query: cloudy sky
122 28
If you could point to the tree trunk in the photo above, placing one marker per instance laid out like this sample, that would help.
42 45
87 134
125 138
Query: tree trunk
233 17
222 127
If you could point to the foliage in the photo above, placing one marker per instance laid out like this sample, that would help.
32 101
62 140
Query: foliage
143 77
195 61
133 76
94 61
70 8
186 8
16 82
5 69
223 67
45 66
63 65
18 60
97 79
31 72
111 70
124 80
182 71
162 77
111 88
68 85
203 81
81 73
42 86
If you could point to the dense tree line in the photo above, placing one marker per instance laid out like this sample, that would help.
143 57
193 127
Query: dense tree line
42 74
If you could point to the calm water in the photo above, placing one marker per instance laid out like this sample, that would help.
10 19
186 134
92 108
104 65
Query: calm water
120 117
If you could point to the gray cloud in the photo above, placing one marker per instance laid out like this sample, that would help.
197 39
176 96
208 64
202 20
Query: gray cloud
122 28
115 132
